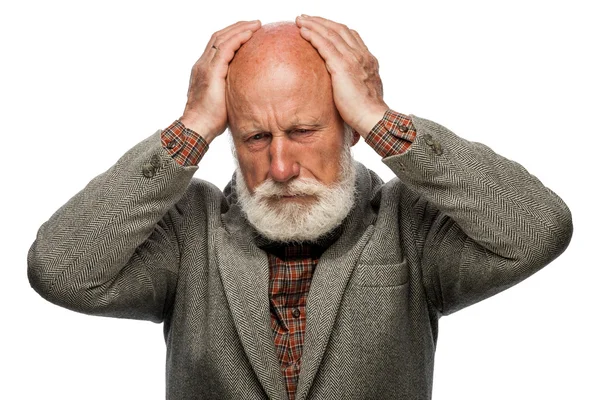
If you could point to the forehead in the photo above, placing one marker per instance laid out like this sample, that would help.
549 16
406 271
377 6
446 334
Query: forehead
278 76
285 94
282 117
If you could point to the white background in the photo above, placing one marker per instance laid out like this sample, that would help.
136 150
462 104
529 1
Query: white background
83 81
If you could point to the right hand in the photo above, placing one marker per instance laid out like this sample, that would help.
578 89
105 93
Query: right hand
205 111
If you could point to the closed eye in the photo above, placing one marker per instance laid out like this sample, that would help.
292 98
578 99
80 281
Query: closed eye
302 132
257 137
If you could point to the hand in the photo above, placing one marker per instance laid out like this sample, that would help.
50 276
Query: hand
357 88
205 111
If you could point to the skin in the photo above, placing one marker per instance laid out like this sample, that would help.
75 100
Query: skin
285 91
281 111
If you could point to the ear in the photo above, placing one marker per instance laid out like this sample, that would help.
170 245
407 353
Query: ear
355 137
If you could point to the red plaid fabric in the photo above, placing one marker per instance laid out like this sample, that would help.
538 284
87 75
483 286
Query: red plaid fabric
291 270
392 135
183 144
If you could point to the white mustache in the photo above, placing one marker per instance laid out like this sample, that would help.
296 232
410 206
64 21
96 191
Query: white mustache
291 221
296 187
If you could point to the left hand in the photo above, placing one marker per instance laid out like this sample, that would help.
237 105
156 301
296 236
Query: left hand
357 88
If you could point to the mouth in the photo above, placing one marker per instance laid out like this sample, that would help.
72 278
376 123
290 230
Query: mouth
299 198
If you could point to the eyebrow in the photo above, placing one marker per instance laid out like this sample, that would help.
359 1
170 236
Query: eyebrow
251 128
303 126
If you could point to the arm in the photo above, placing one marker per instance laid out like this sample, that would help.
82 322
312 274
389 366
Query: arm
482 222
113 249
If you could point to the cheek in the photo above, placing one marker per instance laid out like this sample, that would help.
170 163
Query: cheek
254 169
326 160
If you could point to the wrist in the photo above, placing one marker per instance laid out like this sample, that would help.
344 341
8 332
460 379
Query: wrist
199 125
370 119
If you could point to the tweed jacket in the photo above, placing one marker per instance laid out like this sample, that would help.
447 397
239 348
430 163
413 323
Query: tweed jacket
144 240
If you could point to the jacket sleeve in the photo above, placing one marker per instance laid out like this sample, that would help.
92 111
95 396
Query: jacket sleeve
483 221
112 249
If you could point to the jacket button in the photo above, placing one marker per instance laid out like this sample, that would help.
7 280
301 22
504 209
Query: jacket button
296 312
428 139
155 161
148 171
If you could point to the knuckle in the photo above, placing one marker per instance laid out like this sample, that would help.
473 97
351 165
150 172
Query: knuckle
330 33
330 47
357 59
375 62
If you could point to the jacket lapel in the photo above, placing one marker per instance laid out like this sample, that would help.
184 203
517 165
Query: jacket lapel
331 277
326 292
245 275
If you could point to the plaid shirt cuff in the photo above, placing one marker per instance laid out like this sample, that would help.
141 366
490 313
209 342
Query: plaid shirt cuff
183 144
392 135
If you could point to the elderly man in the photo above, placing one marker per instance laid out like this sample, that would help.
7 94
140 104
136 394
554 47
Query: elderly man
307 277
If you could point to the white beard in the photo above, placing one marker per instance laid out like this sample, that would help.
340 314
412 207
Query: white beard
290 221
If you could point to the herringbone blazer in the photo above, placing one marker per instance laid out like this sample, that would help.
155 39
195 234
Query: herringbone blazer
145 240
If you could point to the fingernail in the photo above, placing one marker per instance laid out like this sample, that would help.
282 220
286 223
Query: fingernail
304 16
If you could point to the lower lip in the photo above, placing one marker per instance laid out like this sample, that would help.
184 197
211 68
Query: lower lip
297 197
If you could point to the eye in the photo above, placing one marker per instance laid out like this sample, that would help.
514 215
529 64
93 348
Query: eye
302 131
257 137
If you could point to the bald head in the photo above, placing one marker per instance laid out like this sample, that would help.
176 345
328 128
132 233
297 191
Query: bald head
276 51
273 71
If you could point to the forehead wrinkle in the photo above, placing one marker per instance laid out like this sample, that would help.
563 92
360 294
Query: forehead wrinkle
286 119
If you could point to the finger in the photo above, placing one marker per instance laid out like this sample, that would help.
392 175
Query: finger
226 50
325 47
330 29
358 39
224 34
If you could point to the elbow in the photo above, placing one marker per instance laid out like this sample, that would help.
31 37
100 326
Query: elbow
563 232
46 276
554 238
43 273
38 273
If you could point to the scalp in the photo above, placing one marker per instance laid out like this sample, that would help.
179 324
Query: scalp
276 50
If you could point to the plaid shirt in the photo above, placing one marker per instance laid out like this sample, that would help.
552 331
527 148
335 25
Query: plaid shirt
183 144
291 267
290 274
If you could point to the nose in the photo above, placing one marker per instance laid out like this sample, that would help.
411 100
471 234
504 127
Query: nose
284 165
